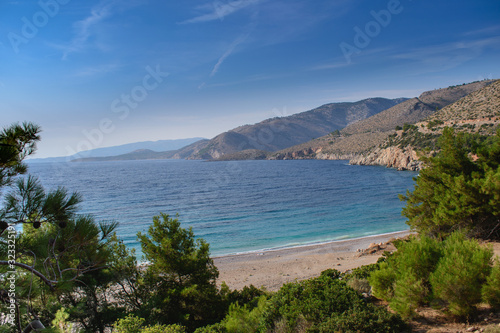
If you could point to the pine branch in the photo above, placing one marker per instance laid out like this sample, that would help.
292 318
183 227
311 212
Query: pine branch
48 282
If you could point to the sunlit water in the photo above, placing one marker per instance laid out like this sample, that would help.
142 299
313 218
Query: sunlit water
239 206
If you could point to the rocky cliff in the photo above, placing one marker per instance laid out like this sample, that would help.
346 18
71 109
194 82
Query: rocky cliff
361 141
477 112
391 157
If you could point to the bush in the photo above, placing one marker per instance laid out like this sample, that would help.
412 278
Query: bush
129 324
215 328
241 319
424 270
456 192
491 289
408 269
460 273
362 272
366 319
319 304
409 294
362 286
248 296
164 329
382 281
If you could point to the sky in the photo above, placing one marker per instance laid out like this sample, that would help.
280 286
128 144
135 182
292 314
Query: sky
99 73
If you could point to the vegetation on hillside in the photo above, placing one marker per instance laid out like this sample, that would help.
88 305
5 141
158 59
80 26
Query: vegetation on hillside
459 189
448 274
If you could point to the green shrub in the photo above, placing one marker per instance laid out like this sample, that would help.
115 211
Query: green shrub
365 319
311 304
242 320
248 296
314 300
215 328
382 281
174 328
460 273
418 257
332 273
362 286
457 192
491 289
129 324
424 263
362 272
451 271
409 293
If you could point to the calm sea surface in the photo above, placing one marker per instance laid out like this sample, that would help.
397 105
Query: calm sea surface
239 206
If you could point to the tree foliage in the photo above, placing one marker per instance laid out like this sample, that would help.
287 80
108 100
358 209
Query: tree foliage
16 143
325 304
56 251
424 271
459 190
180 276
460 273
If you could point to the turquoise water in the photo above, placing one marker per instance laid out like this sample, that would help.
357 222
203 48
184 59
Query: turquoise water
239 206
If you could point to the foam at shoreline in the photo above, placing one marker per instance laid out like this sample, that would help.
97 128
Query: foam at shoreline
297 246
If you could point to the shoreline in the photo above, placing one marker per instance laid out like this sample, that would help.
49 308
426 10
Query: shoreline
274 267
318 243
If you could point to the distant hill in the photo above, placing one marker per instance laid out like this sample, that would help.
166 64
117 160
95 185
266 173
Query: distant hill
157 146
279 133
366 134
148 154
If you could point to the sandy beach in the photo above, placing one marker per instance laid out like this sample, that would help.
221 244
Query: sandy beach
271 269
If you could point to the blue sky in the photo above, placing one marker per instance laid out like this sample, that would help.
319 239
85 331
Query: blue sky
97 73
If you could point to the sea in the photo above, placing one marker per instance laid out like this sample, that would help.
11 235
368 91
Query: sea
239 206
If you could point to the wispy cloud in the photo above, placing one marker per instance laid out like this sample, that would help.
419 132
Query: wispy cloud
228 52
98 70
253 78
495 29
450 55
86 28
218 10
333 65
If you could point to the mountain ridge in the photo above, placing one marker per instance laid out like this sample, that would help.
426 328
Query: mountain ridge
366 134
281 132
478 112
158 146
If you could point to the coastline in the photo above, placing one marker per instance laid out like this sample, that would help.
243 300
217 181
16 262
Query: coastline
274 267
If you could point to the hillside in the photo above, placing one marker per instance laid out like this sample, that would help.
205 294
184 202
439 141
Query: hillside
282 132
140 154
148 154
478 112
156 146
360 137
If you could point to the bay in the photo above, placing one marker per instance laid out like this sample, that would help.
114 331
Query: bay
239 206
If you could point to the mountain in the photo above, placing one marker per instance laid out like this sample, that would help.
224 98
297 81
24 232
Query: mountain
360 137
478 112
148 154
282 132
157 146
